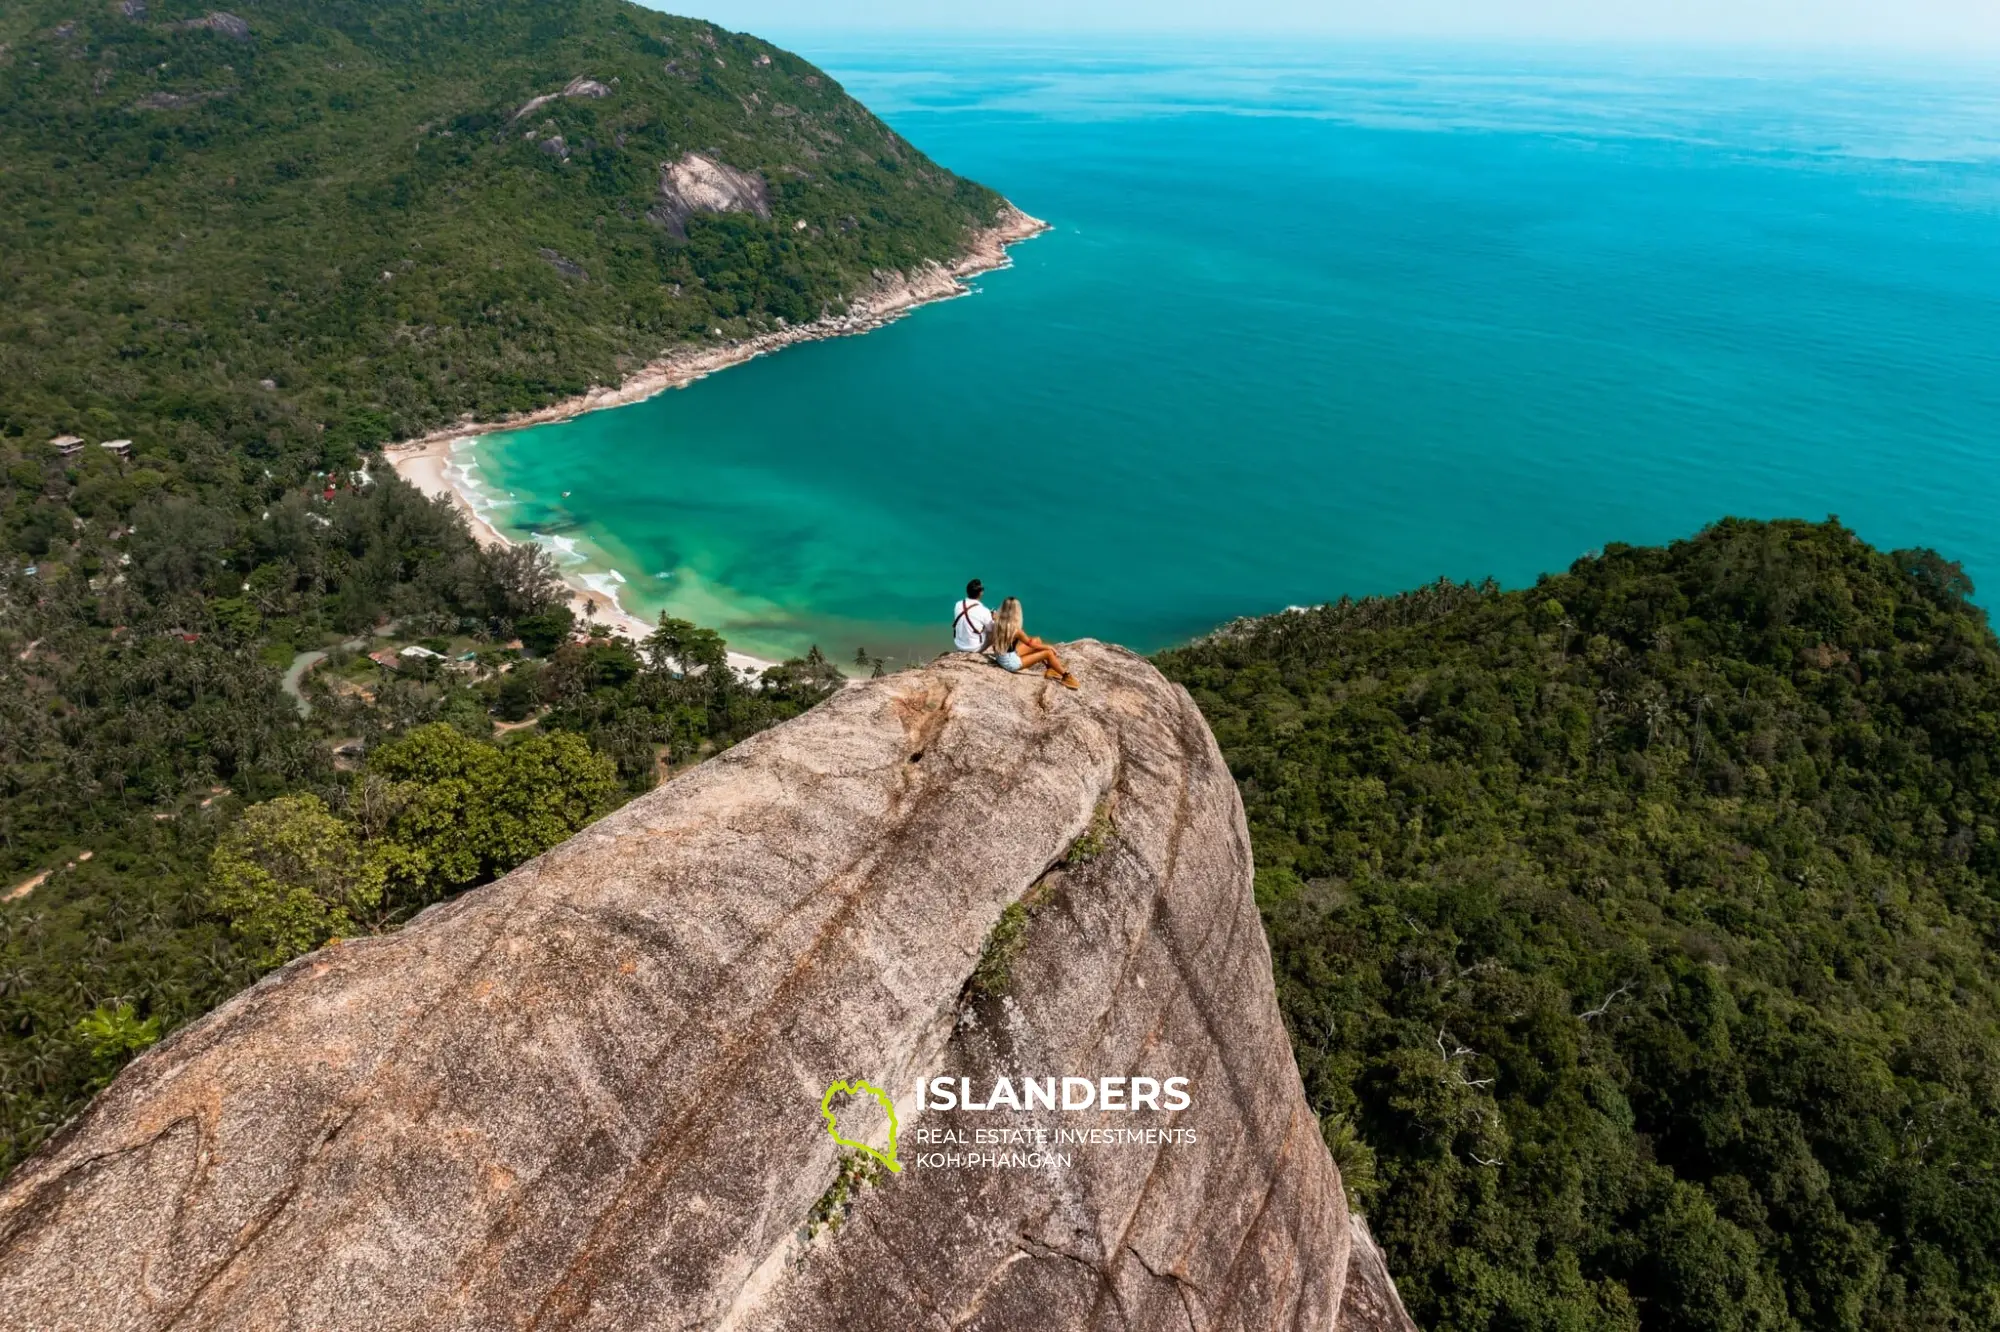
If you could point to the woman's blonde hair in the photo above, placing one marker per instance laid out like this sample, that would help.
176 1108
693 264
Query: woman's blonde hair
1007 625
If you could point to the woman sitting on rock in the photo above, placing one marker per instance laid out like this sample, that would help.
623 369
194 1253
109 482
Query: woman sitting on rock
1014 649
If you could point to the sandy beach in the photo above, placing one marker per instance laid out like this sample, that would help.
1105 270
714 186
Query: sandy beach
429 470
426 462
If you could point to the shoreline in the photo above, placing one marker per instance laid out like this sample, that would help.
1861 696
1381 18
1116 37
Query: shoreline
425 462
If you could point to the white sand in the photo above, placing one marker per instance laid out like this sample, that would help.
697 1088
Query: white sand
429 470
426 463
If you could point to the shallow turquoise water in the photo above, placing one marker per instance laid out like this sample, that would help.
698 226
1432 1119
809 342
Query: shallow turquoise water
1316 322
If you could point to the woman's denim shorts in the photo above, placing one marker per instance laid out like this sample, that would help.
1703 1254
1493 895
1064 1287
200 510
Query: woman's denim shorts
1008 661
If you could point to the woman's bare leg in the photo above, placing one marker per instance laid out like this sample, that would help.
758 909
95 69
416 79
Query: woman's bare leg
1046 658
1041 656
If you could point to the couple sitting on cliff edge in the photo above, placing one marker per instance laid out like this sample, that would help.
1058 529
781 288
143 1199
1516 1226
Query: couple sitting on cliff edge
1000 636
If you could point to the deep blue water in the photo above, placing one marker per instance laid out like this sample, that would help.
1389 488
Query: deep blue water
1324 320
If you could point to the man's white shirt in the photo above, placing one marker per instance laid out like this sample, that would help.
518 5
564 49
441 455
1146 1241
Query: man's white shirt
969 620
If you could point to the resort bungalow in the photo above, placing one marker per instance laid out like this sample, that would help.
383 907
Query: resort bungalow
121 447
67 445
421 653
386 659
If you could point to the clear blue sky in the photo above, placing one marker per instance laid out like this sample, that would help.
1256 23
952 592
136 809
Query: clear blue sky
1952 25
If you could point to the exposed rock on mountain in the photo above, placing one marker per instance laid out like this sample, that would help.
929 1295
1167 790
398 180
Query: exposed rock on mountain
697 184
521 124
228 25
569 268
1370 1299
589 1095
576 87
166 101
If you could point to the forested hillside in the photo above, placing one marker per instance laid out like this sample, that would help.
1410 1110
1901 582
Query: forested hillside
1639 932
255 692
172 823
307 224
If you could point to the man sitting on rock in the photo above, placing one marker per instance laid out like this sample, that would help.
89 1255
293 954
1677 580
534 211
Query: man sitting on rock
970 619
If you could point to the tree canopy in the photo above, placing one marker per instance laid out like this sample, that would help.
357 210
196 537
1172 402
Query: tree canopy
255 691
1637 931
318 224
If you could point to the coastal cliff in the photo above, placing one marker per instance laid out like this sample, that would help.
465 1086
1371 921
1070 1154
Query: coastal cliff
590 1095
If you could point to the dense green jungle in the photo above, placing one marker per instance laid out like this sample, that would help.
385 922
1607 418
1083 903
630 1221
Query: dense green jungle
1636 931
256 692
316 225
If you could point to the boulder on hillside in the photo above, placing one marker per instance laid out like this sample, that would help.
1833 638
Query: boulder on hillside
227 25
697 184
166 101
563 264
576 87
601 1092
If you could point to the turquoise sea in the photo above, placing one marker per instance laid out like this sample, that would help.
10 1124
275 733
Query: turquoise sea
1321 319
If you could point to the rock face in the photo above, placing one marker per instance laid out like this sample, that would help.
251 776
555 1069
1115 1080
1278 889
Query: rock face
229 25
1370 1299
166 101
568 267
579 86
588 1096
697 184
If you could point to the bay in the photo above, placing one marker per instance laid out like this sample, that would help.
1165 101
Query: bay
1318 320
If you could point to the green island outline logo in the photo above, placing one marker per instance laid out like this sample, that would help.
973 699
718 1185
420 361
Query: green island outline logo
860 1087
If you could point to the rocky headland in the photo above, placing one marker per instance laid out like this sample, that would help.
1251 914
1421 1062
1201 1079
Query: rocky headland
589 1095
888 295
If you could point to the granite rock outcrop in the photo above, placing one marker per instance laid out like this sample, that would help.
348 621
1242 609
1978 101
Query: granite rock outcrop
696 184
588 1096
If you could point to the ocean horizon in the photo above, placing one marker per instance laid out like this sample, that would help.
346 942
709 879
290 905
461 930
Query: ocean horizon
1326 321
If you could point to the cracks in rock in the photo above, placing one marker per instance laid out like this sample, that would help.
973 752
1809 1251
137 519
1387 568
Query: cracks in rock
248 1236
1156 910
1041 892
977 1303
248 1007
1184 1287
344 1110
1199 998
1030 1248
736 1029
925 719
46 1196
1279 1166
